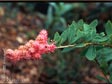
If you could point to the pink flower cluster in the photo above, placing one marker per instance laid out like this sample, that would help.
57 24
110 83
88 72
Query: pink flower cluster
32 49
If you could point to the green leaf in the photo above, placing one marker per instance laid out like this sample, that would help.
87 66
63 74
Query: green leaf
65 8
102 62
104 65
101 78
110 69
57 37
99 38
86 27
61 41
91 53
107 54
49 15
64 35
72 32
94 23
54 5
63 21
80 23
108 28
105 51
78 35
110 78
84 51
108 57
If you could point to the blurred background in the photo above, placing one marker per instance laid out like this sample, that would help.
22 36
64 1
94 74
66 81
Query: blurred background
22 21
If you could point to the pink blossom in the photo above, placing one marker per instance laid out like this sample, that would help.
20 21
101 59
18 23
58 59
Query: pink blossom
44 32
42 37
36 44
9 54
36 56
33 49
51 48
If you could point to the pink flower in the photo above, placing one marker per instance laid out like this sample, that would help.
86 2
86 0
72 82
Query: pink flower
44 32
33 49
36 44
36 56
13 56
27 55
51 47
42 37
9 53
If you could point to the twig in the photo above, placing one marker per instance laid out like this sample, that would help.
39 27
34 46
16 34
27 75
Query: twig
66 46
86 44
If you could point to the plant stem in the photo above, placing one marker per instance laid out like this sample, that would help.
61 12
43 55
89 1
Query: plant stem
66 46
86 44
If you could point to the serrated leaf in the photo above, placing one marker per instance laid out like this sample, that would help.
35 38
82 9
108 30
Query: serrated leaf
102 34
108 28
91 53
86 27
74 40
78 35
61 41
80 23
64 35
94 23
72 31
57 37
98 38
